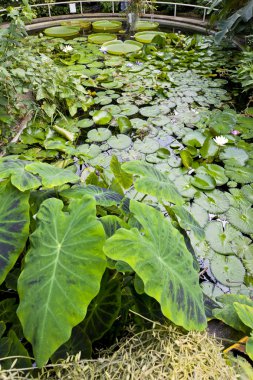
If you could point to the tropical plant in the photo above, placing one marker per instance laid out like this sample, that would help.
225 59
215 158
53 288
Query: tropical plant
233 16
237 312
79 261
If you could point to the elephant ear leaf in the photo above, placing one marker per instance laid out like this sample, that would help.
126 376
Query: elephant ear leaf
62 273
151 181
14 226
50 175
163 263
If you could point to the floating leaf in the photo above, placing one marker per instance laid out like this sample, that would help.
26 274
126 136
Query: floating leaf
153 182
124 124
240 174
102 117
214 201
242 219
128 109
150 111
233 156
203 182
228 270
209 148
146 37
99 134
161 255
215 171
66 253
14 226
222 240
119 142
62 31
100 38
106 26
146 25
122 47
103 197
147 145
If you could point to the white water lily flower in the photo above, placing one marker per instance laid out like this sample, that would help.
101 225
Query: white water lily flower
67 48
220 140
103 49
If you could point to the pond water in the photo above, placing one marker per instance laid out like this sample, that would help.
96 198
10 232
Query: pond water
165 105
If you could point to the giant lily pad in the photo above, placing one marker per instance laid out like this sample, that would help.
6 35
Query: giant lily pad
85 25
106 26
203 182
62 31
122 48
100 38
146 25
147 36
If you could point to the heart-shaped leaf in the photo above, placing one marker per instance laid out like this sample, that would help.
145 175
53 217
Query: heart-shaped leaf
14 222
66 253
163 263
153 182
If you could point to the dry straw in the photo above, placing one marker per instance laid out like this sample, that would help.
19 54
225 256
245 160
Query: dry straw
162 353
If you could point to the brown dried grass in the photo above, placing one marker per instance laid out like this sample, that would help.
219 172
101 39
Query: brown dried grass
163 353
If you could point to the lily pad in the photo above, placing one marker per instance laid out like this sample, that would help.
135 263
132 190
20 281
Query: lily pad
242 174
147 145
146 25
106 26
102 117
234 156
99 134
128 109
120 141
150 111
100 38
121 48
242 219
214 202
222 240
62 31
85 123
147 36
84 25
215 171
203 182
228 270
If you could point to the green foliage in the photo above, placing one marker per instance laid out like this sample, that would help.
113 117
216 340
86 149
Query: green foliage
238 313
61 291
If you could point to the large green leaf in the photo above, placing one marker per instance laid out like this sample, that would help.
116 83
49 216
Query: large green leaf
123 178
187 221
103 197
228 313
153 182
245 313
104 309
62 273
50 175
20 178
14 225
163 263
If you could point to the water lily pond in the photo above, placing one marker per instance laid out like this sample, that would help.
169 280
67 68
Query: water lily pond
163 101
